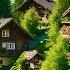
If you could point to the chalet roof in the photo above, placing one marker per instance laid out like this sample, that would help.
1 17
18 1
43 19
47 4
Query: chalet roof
5 21
66 12
44 3
30 54
65 29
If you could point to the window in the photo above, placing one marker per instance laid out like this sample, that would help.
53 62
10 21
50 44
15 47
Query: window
1 61
9 46
5 33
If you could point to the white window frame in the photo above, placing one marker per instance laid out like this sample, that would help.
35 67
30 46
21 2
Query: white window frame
8 46
5 33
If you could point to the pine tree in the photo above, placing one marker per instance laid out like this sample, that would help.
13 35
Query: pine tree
5 8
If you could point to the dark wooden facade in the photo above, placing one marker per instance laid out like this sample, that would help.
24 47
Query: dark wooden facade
46 4
35 62
17 35
42 6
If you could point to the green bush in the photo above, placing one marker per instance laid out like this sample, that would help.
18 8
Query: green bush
30 22
5 8
20 63
56 57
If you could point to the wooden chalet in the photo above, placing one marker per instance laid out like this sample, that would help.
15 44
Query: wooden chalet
13 39
65 26
34 59
42 6
46 4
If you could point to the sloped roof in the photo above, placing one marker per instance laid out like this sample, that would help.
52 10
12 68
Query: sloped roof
44 3
66 12
30 54
65 29
4 21
24 1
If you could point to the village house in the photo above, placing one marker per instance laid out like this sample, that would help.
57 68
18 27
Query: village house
42 7
65 26
13 40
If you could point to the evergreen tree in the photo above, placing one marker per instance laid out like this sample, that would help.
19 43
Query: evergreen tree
30 22
5 8
56 57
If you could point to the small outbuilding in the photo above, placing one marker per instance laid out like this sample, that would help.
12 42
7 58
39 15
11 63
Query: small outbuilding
34 59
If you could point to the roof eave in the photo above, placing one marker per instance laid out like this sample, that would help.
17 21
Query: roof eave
66 12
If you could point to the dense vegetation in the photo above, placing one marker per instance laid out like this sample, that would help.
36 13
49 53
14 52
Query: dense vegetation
55 53
5 8
20 63
56 57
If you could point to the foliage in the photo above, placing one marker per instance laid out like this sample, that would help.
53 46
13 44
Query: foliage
55 18
5 8
30 22
56 57
18 3
19 64
66 19
18 16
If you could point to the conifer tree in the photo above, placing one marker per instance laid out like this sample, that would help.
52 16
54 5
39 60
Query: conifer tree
5 8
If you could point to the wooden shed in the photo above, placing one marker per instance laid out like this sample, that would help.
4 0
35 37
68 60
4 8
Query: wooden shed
34 59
